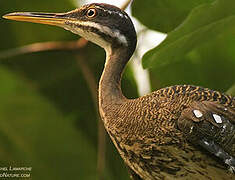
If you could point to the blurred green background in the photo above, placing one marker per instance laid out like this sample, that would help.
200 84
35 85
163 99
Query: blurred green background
48 119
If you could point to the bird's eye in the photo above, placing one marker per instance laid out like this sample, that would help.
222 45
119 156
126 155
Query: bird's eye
91 13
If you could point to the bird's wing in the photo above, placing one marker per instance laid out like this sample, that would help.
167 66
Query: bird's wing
211 125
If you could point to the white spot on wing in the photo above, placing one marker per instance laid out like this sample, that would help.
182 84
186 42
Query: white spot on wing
219 153
191 130
206 143
217 118
197 113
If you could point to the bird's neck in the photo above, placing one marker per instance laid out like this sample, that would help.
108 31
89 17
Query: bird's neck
110 93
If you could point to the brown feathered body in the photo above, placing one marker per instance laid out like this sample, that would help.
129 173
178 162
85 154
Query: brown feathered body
158 135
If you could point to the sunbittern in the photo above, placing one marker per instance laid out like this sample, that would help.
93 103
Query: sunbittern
165 134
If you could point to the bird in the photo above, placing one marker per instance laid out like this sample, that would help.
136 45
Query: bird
177 132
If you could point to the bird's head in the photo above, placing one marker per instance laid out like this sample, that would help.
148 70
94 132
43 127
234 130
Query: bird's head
103 24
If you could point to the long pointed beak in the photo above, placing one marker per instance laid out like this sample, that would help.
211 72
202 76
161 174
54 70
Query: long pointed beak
57 19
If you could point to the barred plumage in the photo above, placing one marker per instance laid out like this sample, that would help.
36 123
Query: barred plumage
150 132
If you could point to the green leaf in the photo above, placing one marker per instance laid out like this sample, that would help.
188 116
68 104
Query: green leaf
34 134
210 65
163 15
203 24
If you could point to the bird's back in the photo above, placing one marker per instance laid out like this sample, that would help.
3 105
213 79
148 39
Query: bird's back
172 132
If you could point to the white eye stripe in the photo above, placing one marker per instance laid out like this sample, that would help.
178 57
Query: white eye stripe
121 15
115 34
126 16
106 30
